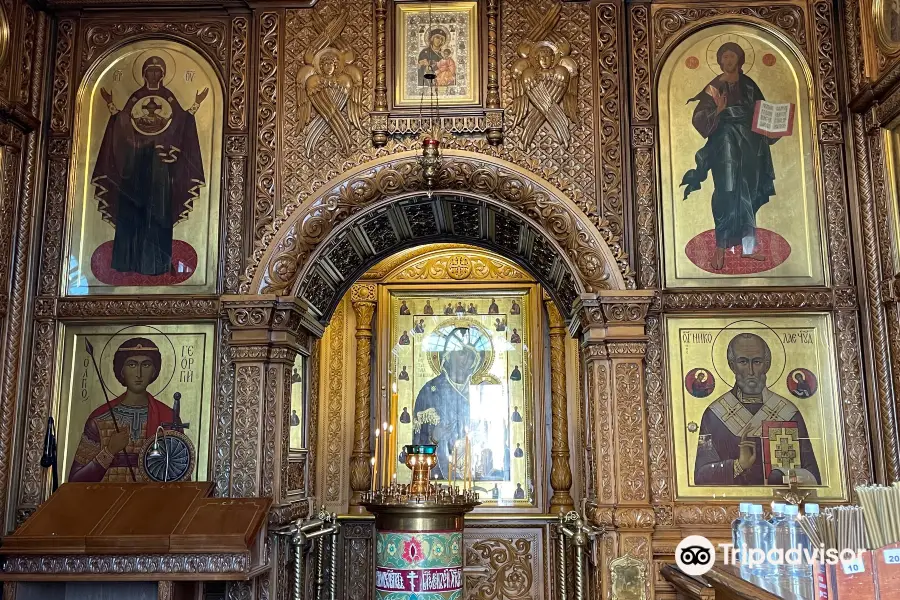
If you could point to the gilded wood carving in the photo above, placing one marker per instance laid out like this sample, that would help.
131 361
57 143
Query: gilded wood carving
328 88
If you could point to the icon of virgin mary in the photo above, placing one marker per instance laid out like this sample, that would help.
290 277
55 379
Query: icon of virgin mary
441 410
149 172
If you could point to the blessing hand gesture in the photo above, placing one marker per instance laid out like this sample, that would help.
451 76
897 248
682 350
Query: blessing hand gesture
201 96
107 96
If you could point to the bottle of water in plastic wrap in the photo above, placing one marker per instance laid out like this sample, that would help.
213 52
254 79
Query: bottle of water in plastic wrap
755 539
743 511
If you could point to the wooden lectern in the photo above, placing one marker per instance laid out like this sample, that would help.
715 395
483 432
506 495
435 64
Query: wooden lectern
138 541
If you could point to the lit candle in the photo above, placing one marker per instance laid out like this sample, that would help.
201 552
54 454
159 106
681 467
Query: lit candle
468 472
453 468
385 448
375 461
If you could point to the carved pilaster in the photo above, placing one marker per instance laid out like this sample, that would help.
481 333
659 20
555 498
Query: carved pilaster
362 297
612 326
560 470
267 332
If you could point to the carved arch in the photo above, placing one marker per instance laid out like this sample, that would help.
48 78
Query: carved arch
378 208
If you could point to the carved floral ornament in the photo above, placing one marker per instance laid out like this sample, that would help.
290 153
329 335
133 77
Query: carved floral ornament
286 248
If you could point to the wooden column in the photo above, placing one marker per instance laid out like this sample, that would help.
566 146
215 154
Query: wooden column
612 329
560 470
362 297
267 332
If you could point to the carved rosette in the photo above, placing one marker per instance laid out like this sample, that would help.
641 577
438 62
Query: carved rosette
363 298
560 470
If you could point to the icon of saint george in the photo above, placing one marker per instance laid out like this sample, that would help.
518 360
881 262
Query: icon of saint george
105 454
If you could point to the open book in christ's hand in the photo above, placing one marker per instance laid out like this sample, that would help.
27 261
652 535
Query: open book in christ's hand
773 120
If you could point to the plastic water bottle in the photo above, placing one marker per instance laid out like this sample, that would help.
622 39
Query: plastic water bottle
790 537
755 539
777 513
743 511
775 543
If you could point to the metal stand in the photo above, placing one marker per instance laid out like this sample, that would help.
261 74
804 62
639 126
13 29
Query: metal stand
574 528
312 534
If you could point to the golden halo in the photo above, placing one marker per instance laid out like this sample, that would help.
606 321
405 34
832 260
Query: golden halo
105 359
138 65
716 43
434 345
719 350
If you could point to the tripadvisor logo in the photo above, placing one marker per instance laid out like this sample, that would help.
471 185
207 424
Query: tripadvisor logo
696 555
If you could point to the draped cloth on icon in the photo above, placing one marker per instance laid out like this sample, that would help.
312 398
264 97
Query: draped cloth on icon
740 160
148 174
720 436
440 416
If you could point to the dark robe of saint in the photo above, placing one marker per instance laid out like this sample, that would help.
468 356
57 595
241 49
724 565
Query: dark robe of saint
105 454
448 310
516 416
515 338
295 418
404 416
493 309
148 173
516 374
519 453
428 310
515 309
404 309
404 339
441 410
403 376
519 494
730 448
740 160
431 55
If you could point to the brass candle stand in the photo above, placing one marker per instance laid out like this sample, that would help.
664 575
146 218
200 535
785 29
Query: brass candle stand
419 529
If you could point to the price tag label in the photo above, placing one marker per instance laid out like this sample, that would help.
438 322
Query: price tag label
852 567
892 556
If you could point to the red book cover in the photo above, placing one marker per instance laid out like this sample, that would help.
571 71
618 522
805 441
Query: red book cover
767 444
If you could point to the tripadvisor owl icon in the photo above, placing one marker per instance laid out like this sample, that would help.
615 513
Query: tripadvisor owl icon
695 555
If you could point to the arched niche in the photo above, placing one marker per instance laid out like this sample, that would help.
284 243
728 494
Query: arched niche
382 207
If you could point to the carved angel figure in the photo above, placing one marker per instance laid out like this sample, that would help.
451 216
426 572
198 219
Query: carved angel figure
326 85
544 87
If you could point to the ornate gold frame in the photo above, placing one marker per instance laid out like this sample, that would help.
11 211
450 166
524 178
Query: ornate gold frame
383 319
401 98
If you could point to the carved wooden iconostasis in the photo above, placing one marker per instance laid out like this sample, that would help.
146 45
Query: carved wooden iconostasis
233 198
